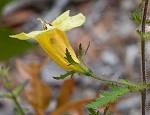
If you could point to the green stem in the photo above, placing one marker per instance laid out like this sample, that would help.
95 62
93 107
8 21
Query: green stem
110 81
14 98
143 64
17 103
82 68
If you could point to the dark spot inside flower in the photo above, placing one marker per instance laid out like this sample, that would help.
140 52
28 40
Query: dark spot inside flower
52 40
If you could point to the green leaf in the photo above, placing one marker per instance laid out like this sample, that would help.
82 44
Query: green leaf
80 53
134 86
18 111
144 35
105 110
108 96
19 88
65 75
7 95
81 67
4 72
148 22
126 82
140 33
137 15
8 85
69 58
92 111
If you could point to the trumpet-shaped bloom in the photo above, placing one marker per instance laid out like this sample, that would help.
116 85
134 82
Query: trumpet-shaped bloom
55 43
53 38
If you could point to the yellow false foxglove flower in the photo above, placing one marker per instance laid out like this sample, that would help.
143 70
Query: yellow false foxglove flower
53 38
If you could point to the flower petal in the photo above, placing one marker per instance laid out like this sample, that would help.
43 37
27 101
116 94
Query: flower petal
25 36
65 22
55 43
61 18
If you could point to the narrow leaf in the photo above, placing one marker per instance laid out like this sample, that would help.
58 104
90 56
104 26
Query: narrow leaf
86 49
7 95
69 58
64 75
92 111
17 111
140 33
136 16
106 110
19 88
4 72
80 52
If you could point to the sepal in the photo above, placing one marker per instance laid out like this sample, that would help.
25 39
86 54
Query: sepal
64 75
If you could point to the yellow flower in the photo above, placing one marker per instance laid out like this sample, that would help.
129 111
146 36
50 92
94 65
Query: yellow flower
55 43
53 38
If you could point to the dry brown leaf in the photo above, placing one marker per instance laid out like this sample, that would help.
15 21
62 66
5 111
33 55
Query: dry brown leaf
72 107
66 92
37 93
32 70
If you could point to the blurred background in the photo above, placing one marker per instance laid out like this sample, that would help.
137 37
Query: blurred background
114 53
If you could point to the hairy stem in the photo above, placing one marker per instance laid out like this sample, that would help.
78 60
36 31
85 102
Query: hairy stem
143 63
110 81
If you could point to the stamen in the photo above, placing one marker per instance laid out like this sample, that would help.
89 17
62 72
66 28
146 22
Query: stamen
48 23
44 23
